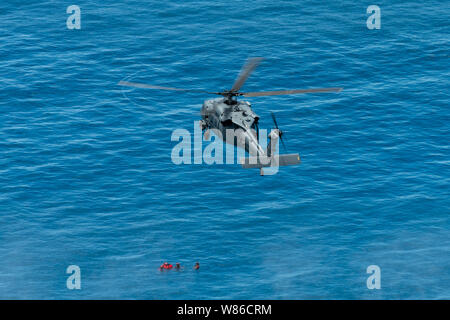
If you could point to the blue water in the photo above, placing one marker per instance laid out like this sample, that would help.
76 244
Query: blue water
86 176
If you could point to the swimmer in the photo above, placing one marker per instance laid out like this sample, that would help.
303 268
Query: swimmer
177 266
166 266
197 266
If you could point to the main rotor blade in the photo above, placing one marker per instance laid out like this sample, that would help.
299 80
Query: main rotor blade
149 86
277 93
247 69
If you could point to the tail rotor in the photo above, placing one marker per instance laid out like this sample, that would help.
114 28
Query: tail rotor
280 133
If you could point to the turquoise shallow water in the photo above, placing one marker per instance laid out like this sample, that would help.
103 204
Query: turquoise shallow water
86 176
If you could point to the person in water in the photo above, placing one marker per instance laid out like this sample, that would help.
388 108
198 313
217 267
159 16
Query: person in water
165 266
197 266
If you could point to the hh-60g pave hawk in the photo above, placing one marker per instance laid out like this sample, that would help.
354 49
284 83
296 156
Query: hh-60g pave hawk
227 113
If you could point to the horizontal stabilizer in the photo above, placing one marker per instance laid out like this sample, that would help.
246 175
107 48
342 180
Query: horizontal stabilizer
275 161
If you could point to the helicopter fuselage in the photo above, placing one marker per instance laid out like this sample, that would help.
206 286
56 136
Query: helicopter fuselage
235 117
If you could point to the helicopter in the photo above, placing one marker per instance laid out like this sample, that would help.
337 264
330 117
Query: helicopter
228 113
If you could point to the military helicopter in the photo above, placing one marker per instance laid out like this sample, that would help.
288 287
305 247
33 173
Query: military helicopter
227 113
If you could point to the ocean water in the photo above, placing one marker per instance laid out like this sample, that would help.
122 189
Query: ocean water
86 176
